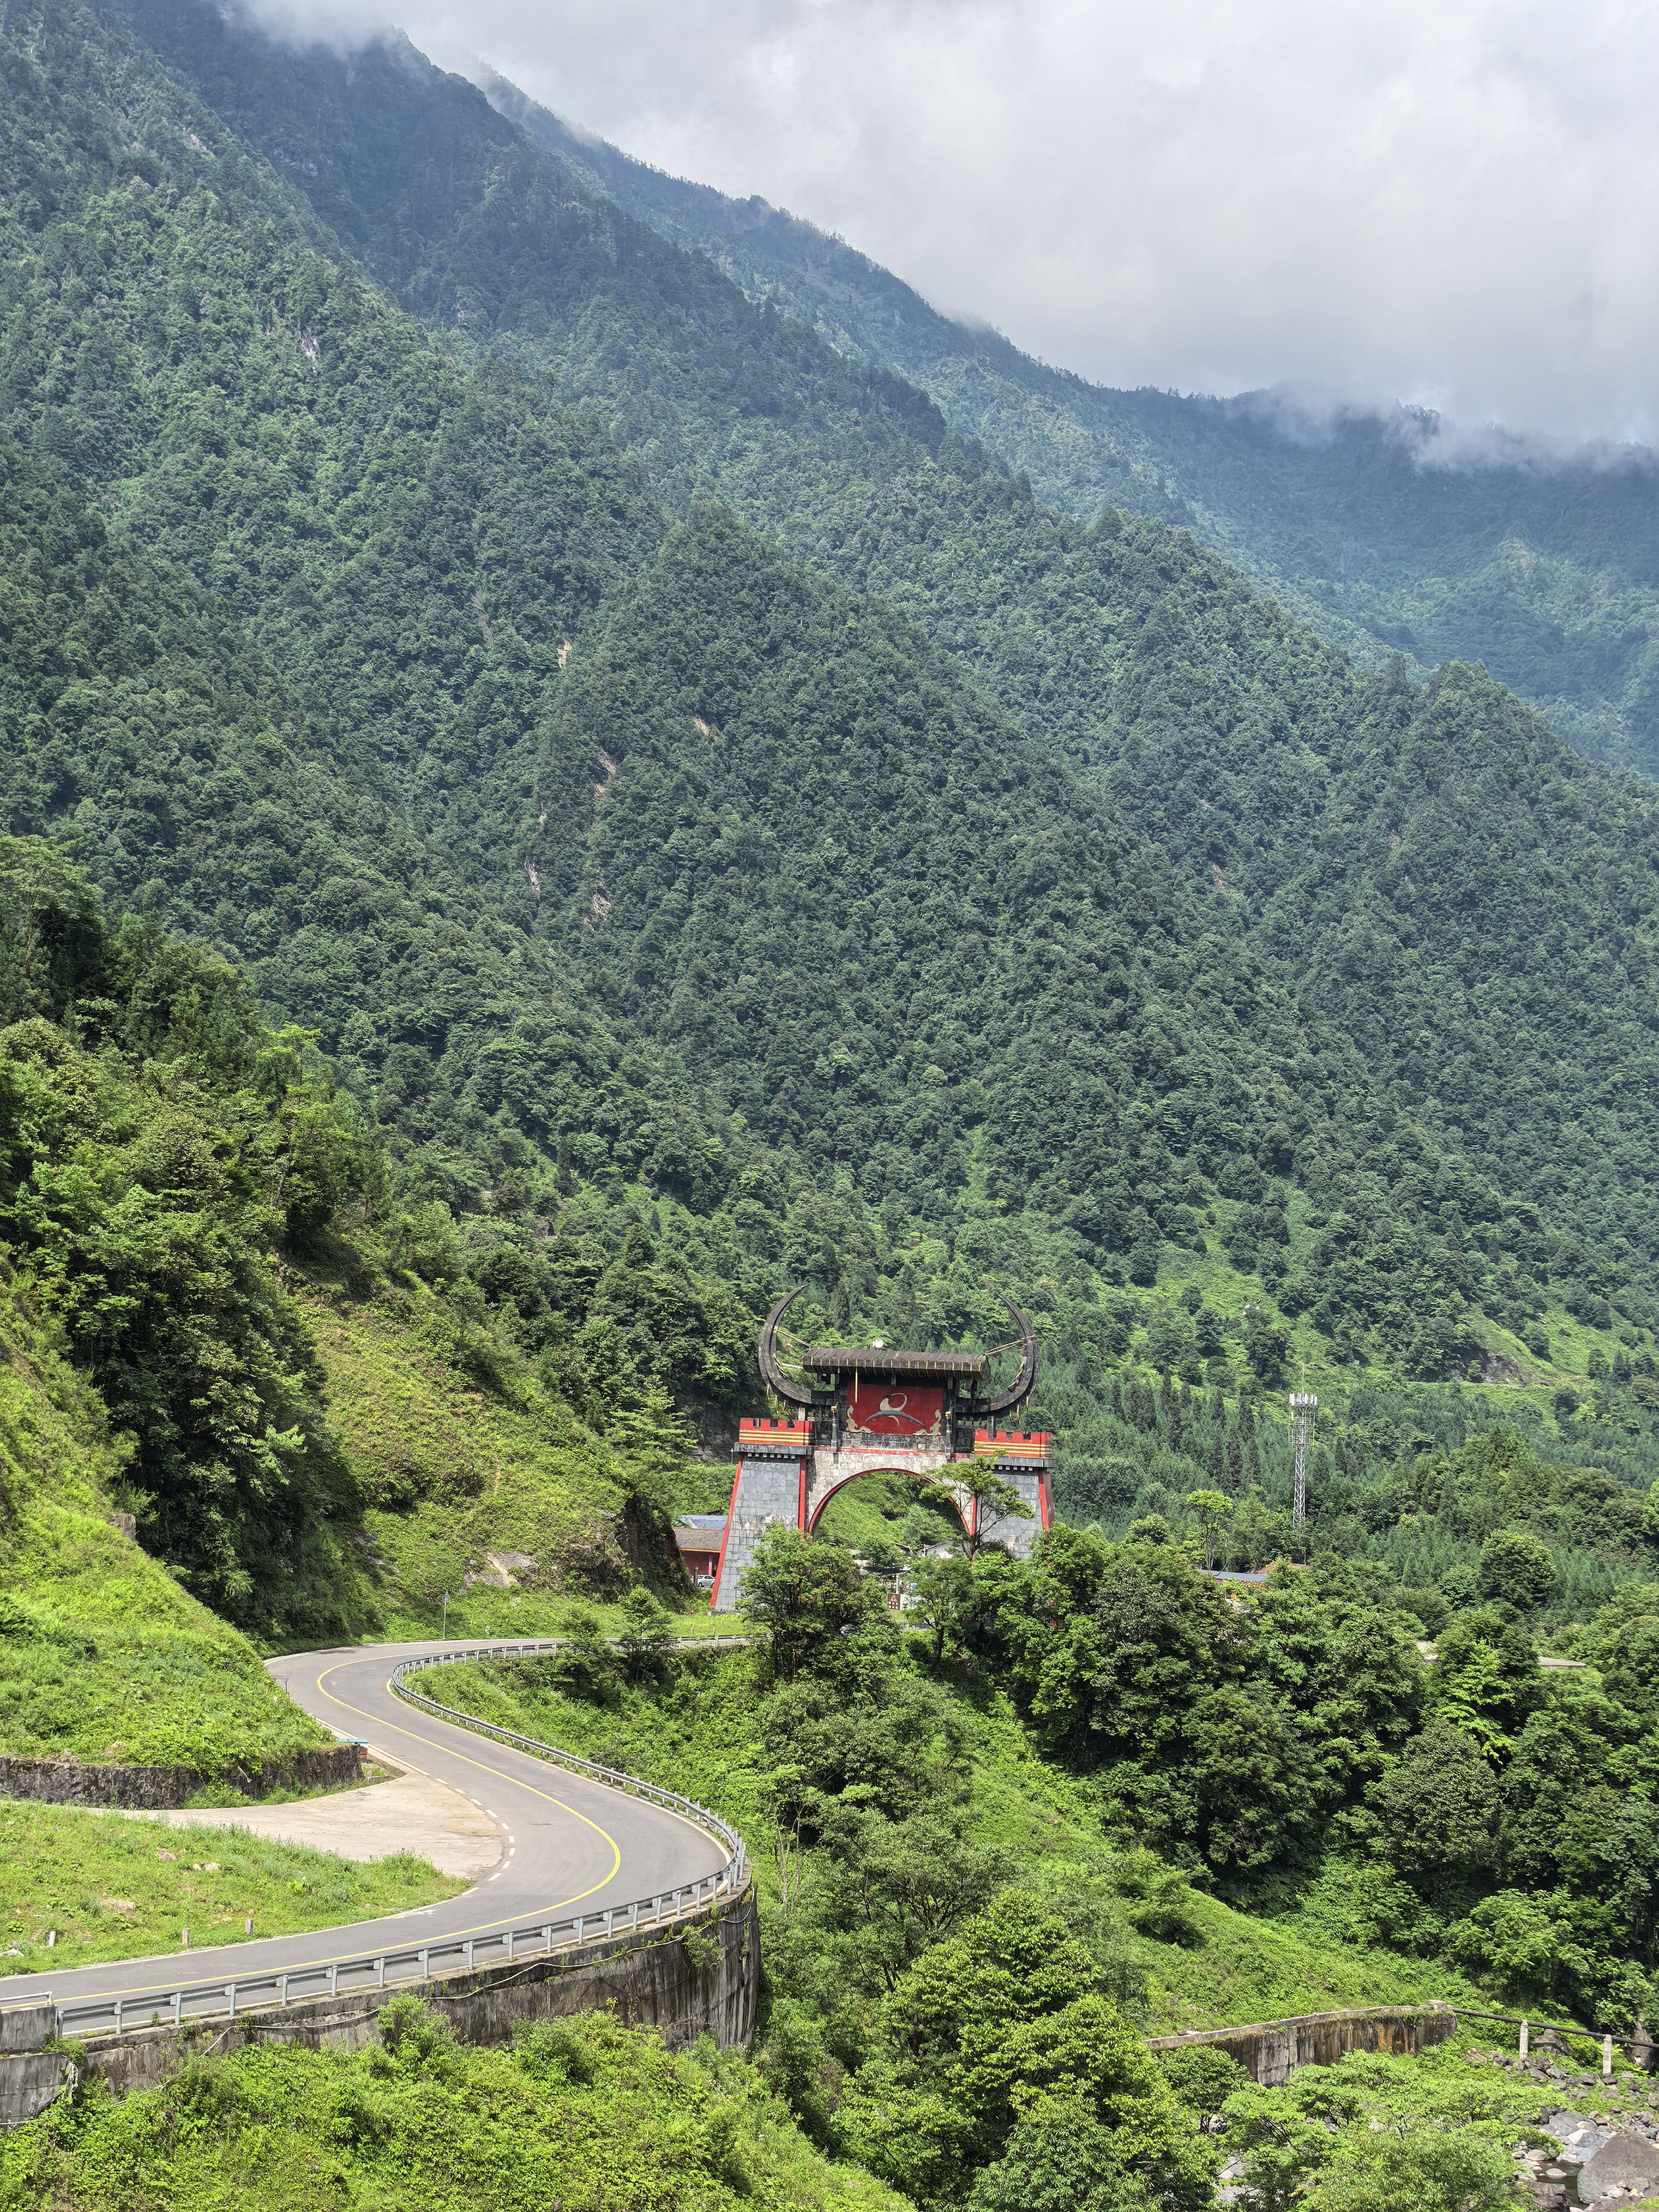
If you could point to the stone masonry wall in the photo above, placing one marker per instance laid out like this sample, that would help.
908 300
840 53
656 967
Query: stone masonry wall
1270 2052
653 1980
167 1789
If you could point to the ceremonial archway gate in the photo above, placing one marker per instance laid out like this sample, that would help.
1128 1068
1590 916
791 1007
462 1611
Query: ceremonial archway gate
877 1411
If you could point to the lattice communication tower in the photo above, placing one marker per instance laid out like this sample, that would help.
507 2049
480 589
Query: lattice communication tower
1304 1406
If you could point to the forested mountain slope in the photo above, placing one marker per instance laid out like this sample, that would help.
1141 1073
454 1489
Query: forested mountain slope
702 828
689 924
1108 646
158 1141
1548 571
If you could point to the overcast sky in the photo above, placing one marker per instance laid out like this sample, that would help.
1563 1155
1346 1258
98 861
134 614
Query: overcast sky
1444 201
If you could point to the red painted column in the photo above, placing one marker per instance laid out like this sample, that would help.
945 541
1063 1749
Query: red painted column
726 1534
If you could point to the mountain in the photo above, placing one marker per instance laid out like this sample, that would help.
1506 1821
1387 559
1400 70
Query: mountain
726 831
546 805
1383 530
86 1616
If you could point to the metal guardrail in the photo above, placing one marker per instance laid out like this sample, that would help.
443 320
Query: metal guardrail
420 1962
611 1776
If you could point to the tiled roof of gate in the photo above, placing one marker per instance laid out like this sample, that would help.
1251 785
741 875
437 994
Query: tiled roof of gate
883 1359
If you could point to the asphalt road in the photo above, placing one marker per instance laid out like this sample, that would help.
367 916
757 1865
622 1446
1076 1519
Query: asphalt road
565 1842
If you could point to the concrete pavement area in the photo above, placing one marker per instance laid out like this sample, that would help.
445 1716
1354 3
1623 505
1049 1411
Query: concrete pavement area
413 1811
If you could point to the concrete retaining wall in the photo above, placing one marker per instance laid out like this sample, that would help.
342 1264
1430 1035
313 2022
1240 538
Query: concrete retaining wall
1270 2052
651 1980
168 1789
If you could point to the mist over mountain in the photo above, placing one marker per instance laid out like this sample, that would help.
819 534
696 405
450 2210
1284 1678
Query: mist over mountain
1390 530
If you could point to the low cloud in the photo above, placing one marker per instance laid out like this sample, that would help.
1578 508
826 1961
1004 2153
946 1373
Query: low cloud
1439 204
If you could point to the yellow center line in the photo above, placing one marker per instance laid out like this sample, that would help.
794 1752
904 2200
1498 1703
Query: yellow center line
685 1819
431 1744
457 1935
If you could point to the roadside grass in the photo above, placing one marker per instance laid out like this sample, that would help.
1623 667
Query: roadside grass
120 1886
107 1668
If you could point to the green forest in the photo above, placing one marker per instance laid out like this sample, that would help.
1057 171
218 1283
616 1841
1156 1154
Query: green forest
548 801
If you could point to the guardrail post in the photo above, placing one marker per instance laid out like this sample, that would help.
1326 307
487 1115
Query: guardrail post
230 1996
334 1981
282 1999
118 2015
547 1939
379 1965
178 2006
469 1954
509 1947
425 1976
633 1916
607 1920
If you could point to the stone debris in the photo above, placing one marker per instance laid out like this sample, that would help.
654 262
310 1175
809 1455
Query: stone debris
1602 2163
1626 2166
504 1571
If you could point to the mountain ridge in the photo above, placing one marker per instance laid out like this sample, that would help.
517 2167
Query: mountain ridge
1543 567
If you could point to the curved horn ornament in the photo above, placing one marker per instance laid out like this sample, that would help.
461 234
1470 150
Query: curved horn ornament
1029 1359
771 1373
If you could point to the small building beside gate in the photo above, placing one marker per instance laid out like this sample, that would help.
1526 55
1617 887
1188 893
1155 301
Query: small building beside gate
698 1538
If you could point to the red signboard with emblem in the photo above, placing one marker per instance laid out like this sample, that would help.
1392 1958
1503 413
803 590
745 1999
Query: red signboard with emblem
896 1409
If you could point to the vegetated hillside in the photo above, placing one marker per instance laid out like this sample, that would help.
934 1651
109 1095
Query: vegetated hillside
1430 867
1546 570
996 1835
158 1142
318 1417
478 1481
578 2112
1425 1482
510 829
1236 738
103 1655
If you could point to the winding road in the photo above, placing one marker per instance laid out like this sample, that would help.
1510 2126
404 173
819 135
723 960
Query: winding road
566 1843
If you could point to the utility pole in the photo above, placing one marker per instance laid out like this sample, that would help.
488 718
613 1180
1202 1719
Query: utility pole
1304 1406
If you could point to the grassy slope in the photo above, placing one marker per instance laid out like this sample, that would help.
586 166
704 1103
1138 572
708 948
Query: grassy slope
102 1654
455 1470
580 2114
698 1737
116 1887
1228 1290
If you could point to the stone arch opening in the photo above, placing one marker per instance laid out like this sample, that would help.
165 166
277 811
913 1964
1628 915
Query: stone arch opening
938 1489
